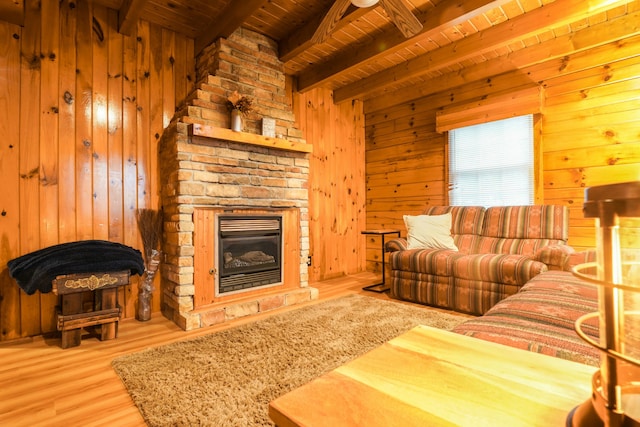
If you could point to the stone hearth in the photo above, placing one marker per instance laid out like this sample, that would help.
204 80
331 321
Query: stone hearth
206 169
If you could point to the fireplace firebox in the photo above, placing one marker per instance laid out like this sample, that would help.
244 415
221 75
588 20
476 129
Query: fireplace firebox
249 249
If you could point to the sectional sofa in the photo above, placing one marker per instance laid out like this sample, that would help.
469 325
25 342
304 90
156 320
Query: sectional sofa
510 265
468 258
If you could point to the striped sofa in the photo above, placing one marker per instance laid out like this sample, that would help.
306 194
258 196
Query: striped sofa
499 250
541 318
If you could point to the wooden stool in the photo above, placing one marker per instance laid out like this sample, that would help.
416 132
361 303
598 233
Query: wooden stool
104 311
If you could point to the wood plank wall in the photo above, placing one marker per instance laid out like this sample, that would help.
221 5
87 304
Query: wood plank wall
85 108
337 211
82 109
590 135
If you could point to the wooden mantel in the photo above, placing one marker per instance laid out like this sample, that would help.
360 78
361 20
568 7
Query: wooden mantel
206 131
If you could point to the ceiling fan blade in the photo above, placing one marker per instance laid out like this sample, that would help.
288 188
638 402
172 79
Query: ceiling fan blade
330 20
402 16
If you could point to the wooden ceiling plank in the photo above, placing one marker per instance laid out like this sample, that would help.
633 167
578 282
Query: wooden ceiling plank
435 20
558 13
129 14
279 18
565 51
180 17
230 19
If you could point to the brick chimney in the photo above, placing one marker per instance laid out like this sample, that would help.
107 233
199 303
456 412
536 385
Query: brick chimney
246 62
201 173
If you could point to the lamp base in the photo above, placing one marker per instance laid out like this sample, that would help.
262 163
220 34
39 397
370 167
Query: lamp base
595 412
584 415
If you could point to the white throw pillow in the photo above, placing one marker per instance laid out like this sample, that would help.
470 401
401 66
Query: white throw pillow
429 231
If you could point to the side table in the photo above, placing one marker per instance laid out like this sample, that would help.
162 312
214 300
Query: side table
380 287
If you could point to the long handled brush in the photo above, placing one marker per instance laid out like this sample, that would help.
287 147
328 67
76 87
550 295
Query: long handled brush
150 226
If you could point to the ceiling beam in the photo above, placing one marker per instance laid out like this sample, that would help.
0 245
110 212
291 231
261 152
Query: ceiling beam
229 20
129 14
444 15
546 60
553 15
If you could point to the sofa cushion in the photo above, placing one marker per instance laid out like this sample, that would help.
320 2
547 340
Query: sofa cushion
478 296
464 219
466 243
577 258
429 231
437 290
527 222
466 224
555 256
497 268
496 245
541 318
432 261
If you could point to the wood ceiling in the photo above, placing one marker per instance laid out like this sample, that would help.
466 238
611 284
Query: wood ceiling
367 56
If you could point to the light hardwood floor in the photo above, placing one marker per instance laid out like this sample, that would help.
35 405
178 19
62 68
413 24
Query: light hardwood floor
44 385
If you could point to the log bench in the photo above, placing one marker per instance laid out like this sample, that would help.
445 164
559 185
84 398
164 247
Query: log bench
73 314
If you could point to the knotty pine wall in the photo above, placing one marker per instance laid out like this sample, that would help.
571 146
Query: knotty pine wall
82 110
337 212
589 135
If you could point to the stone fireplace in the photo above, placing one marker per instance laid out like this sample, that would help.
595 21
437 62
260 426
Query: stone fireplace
220 188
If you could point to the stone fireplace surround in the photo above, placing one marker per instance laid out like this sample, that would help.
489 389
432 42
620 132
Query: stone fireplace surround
207 169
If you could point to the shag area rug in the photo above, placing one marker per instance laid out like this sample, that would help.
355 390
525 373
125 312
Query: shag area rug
229 377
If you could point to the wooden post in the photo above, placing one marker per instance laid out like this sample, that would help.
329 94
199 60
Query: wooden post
109 298
71 304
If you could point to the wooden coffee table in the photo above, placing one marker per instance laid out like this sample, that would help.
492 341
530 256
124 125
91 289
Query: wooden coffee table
430 377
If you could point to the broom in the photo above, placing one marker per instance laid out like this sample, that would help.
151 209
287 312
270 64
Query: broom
150 226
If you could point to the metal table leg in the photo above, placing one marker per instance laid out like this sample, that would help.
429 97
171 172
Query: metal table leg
380 287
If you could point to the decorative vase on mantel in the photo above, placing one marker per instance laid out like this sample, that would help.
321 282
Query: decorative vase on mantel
236 120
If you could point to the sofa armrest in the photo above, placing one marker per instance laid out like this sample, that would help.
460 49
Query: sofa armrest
580 258
554 256
398 244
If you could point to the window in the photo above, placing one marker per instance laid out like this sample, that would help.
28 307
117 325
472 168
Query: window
491 164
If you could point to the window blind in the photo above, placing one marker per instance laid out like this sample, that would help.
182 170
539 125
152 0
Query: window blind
491 164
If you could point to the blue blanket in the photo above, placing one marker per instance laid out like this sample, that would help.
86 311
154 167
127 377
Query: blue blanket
36 270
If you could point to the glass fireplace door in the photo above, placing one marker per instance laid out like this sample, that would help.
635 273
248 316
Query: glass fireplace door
249 252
